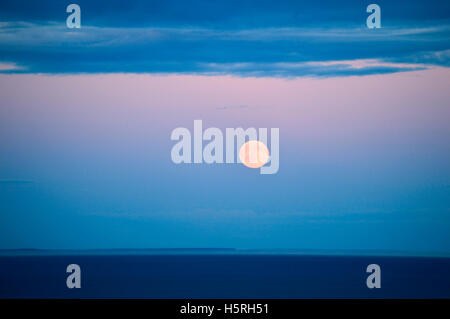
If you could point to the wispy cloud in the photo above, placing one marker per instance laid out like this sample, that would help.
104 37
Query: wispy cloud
281 42
9 67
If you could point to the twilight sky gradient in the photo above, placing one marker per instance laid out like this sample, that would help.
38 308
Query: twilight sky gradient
86 117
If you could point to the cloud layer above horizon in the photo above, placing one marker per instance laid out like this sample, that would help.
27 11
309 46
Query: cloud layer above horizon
272 39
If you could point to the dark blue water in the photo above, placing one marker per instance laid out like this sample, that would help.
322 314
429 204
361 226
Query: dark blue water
223 276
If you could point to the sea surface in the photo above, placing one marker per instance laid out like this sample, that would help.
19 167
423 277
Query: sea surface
221 275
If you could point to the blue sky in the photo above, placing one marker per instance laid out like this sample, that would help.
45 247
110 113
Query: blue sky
86 117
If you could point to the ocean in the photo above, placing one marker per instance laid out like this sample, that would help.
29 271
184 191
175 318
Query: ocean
218 275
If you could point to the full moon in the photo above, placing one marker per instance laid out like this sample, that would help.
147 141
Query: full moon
254 154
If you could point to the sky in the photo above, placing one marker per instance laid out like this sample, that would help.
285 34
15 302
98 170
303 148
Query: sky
86 117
